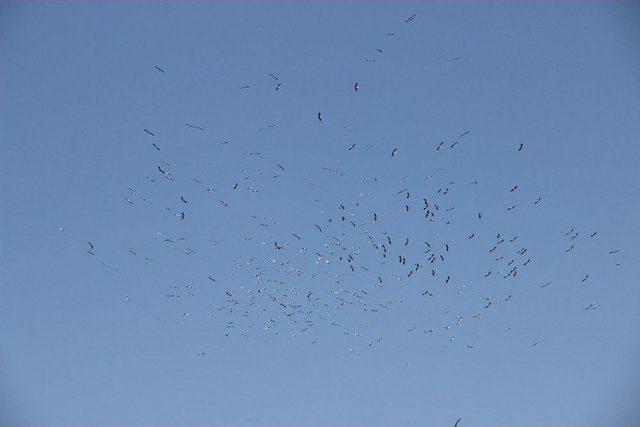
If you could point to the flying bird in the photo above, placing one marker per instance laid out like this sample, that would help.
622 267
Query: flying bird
410 19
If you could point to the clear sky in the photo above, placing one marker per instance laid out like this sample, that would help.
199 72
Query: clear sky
135 333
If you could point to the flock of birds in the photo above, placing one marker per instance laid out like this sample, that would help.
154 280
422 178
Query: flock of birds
353 264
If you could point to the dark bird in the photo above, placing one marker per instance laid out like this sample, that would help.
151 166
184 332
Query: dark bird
274 76
278 86
155 146
276 245
520 147
456 58
183 199
149 132
393 152
514 188
161 171
320 117
456 424
90 245
356 87
159 69
280 166
410 19
351 147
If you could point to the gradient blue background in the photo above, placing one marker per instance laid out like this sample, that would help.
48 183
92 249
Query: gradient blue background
77 87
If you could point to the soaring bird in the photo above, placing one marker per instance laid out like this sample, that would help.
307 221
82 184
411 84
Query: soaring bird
356 87
319 116
159 69
393 152
149 132
410 19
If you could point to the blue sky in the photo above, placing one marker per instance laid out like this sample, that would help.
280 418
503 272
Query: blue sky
93 340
